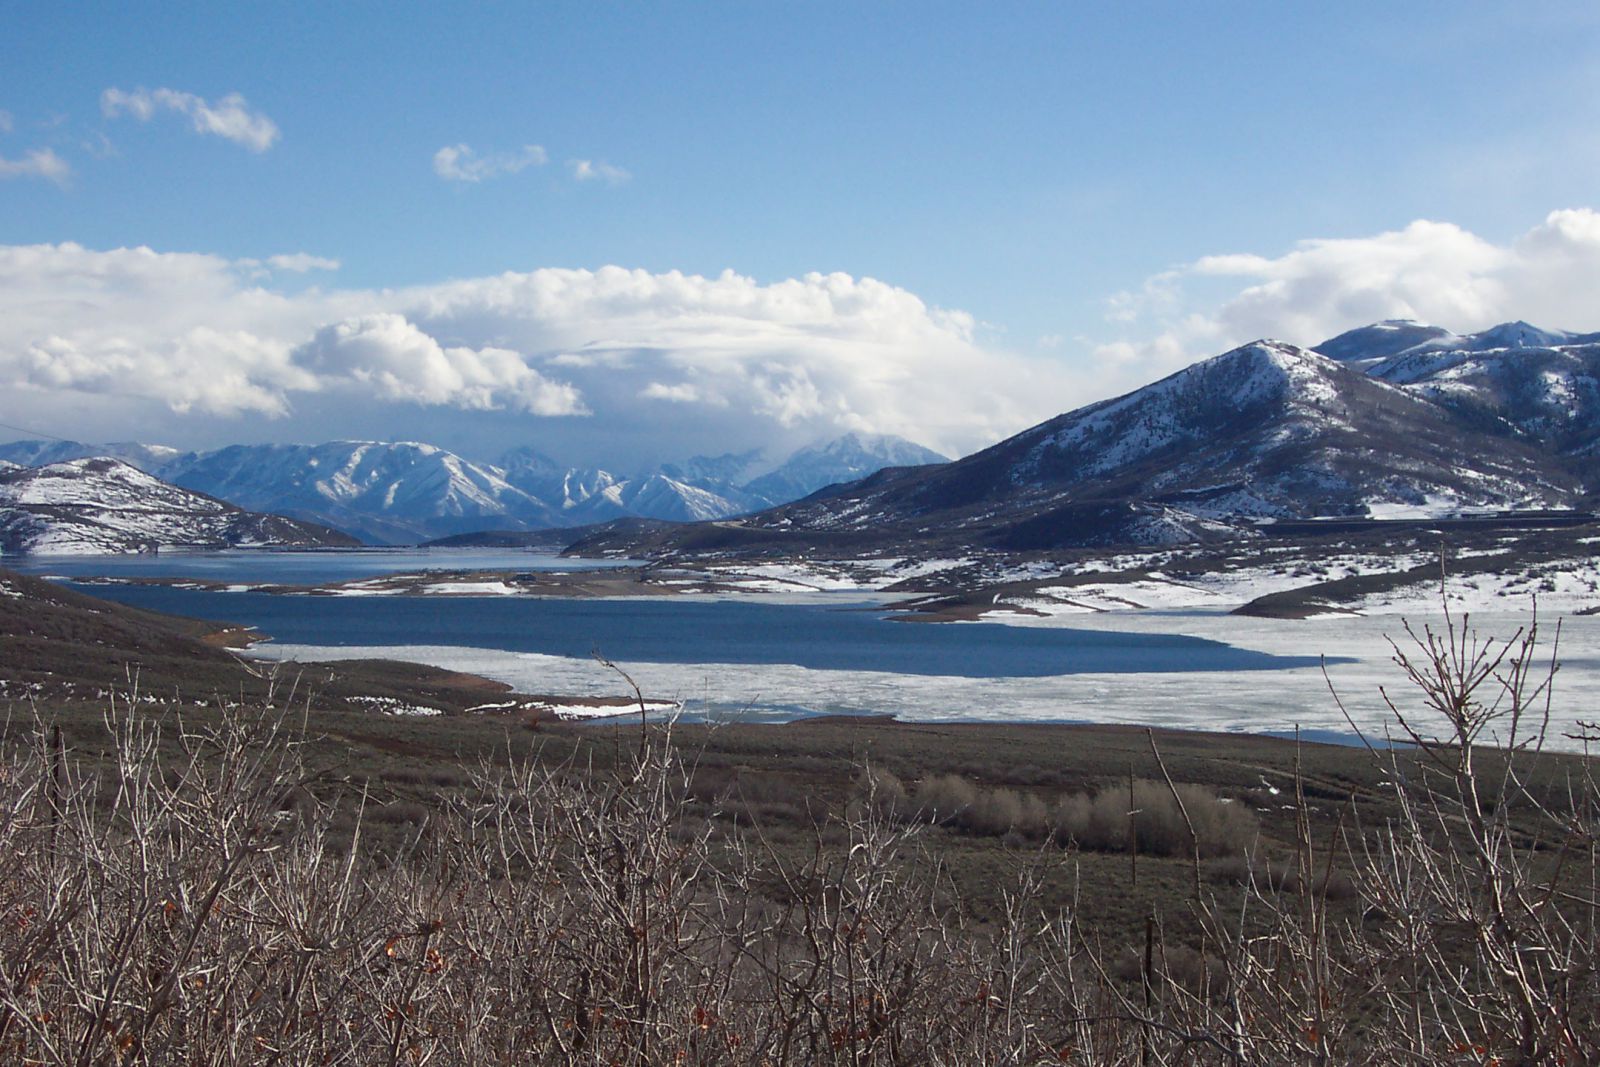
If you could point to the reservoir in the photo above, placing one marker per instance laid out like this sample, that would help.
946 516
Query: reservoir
774 658
850 635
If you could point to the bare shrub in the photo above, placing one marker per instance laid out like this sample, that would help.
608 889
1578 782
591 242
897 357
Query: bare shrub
218 908
997 812
951 800
882 793
945 797
1245 870
1101 822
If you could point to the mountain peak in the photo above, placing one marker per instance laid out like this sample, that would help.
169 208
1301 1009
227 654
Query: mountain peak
1516 334
893 450
846 458
1380 340
1256 372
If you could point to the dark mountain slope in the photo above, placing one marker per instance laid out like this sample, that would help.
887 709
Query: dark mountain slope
1265 431
1548 396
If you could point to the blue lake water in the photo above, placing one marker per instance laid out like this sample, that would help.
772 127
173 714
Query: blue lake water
843 636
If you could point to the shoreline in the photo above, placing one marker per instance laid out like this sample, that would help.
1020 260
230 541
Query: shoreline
1237 702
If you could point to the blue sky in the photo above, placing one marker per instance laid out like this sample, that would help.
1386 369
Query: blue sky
1051 184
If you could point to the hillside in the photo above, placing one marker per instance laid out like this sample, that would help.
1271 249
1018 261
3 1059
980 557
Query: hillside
107 506
457 858
1390 421
63 648
1267 431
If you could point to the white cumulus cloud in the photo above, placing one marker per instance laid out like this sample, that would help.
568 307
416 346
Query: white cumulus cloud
1436 272
230 118
37 163
459 163
668 363
817 354
135 325
386 355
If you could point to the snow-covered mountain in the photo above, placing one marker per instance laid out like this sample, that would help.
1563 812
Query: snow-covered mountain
559 487
1513 380
726 475
380 491
403 492
1366 345
1393 419
655 496
1505 336
1380 340
697 489
704 487
1266 431
149 458
844 459
104 505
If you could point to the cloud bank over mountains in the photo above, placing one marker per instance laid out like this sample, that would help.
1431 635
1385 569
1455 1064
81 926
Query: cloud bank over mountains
184 333
1435 272
198 350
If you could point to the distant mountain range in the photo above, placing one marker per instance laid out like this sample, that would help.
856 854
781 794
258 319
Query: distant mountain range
403 492
1393 420
1397 419
104 505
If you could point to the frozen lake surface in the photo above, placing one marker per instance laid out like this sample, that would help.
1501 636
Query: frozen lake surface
843 636
757 658
1292 694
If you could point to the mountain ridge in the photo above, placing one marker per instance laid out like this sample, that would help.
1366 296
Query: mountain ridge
1264 432
1395 419
408 491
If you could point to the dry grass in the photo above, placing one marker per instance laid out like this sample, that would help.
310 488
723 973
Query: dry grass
196 893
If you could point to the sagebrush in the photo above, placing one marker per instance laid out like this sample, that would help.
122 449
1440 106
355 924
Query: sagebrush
207 911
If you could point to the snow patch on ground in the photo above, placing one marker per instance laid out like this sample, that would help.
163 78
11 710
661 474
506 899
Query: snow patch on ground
472 589
607 711
842 576
1222 590
1433 506
395 706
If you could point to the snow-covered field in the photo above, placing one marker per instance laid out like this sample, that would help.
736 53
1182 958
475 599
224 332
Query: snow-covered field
1248 701
1569 586
1566 587
1163 582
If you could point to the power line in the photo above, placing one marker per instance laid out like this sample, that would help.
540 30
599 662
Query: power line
37 433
